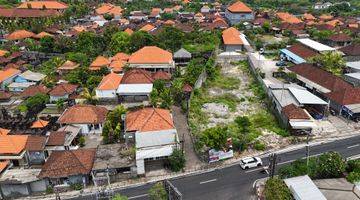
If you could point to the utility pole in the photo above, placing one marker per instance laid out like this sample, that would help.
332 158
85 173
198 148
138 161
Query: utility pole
272 165
307 148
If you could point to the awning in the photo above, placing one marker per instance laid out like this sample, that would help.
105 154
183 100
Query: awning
302 124
134 89
305 97
297 59
159 151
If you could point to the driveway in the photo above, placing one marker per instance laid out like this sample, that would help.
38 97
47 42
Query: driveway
192 160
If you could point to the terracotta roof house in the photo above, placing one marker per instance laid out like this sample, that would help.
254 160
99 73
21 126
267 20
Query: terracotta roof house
42 35
13 148
33 90
117 66
62 91
99 62
64 138
287 17
129 31
238 12
147 124
8 76
88 117
4 131
152 58
352 52
51 5
110 9
121 56
69 167
19 35
298 53
67 66
155 13
147 28
308 17
138 16
161 75
339 40
231 39
27 13
108 86
291 111
135 86
35 146
325 17
338 91
3 52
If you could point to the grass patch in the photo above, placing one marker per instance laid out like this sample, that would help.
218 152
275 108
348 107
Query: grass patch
227 99
226 83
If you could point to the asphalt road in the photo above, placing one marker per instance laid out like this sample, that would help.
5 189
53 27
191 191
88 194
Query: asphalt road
234 183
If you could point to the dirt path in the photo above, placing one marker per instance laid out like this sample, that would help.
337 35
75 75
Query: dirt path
192 160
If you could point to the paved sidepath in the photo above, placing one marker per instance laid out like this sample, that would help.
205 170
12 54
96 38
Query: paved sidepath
192 160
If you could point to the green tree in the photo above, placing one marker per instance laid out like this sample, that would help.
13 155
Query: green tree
243 124
89 96
170 38
215 137
63 44
119 43
77 57
36 102
331 61
112 127
140 39
89 43
177 160
119 197
157 192
47 44
276 189
330 165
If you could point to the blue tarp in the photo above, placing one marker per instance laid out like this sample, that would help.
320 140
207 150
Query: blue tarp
294 58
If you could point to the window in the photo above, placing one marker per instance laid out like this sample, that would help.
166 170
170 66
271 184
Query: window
96 126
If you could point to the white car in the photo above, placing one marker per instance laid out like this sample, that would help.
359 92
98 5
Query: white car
250 162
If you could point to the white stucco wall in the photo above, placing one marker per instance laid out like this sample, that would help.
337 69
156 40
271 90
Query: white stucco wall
105 93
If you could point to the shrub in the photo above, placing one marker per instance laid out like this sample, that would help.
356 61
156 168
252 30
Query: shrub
353 177
330 165
49 190
177 160
119 197
276 189
259 146
76 186
82 141
353 165
157 192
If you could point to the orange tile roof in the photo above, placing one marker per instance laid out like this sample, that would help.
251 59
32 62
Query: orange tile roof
3 52
104 8
68 163
186 1
7 73
68 65
12 144
79 28
3 165
169 22
4 131
19 35
42 34
63 89
117 65
110 82
287 17
353 25
334 22
325 17
83 114
100 61
121 56
168 10
151 55
39 124
129 31
308 16
231 36
108 8
147 28
149 119
137 76
239 7
57 5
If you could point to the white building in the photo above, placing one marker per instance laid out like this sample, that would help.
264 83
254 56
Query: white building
88 117
155 136
108 86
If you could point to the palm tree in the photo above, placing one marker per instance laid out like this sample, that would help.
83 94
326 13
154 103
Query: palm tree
331 62
89 96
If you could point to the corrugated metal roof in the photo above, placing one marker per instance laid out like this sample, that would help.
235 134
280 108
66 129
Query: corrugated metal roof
306 97
315 45
155 138
134 89
303 188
